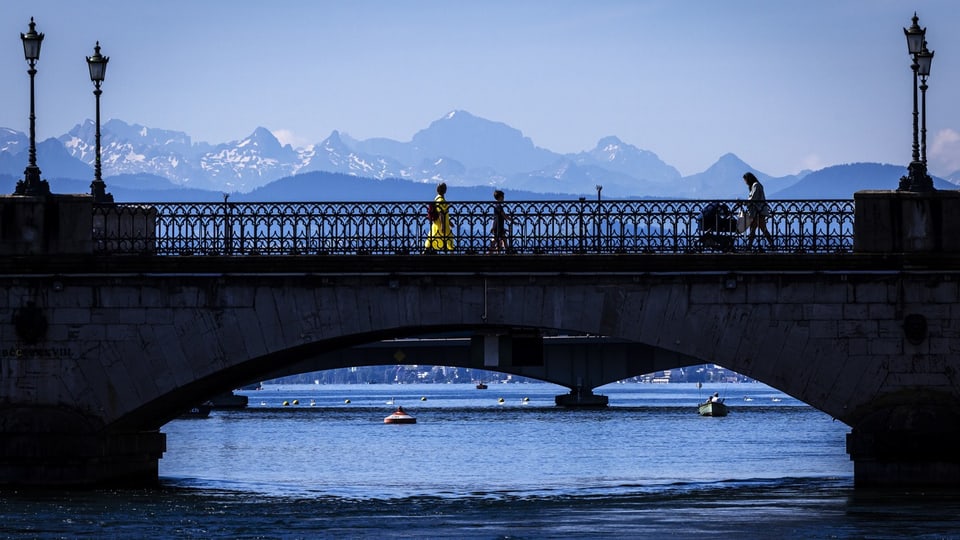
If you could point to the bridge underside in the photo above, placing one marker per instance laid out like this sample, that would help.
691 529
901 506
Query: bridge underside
580 363
60 447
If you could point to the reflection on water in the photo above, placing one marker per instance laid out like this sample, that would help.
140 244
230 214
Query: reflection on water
783 508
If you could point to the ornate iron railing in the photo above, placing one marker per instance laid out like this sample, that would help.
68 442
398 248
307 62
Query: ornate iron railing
536 227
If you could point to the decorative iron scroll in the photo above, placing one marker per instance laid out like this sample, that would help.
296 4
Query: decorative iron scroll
400 228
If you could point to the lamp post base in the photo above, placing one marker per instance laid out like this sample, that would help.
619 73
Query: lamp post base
98 190
917 178
31 184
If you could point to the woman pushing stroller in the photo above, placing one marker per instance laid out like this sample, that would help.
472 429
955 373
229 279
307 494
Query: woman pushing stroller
757 210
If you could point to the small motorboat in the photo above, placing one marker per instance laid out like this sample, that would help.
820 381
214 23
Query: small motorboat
229 400
481 386
399 416
200 411
713 406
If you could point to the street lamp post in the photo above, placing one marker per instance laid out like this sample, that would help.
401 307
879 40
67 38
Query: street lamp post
924 59
31 183
917 178
98 69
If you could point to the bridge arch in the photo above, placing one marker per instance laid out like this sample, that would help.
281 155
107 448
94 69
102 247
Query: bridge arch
225 331
566 358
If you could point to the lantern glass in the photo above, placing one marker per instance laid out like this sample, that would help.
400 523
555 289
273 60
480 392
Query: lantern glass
31 43
924 59
915 36
97 64
98 69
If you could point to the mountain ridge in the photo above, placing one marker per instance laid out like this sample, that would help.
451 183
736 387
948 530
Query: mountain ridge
459 148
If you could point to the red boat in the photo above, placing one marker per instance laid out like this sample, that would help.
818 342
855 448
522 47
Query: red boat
400 416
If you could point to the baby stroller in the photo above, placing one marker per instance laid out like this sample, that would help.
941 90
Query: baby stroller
718 227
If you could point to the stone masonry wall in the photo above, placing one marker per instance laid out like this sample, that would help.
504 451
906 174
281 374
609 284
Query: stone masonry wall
126 348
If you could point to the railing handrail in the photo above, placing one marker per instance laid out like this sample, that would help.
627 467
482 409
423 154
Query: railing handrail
577 226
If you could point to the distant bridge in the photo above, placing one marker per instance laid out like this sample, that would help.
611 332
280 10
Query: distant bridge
569 361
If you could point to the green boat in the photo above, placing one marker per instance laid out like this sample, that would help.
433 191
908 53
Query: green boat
713 406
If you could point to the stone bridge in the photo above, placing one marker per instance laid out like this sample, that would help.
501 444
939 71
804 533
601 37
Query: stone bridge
100 352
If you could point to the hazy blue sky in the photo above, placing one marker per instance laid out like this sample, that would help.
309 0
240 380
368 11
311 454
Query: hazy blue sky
784 84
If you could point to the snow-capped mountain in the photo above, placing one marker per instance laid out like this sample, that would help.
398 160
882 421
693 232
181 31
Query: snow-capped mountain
251 162
615 155
135 149
333 155
12 142
479 143
458 148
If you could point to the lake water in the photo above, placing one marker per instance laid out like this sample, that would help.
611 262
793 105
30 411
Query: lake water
474 467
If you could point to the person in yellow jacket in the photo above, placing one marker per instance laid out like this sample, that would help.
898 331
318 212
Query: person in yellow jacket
441 233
